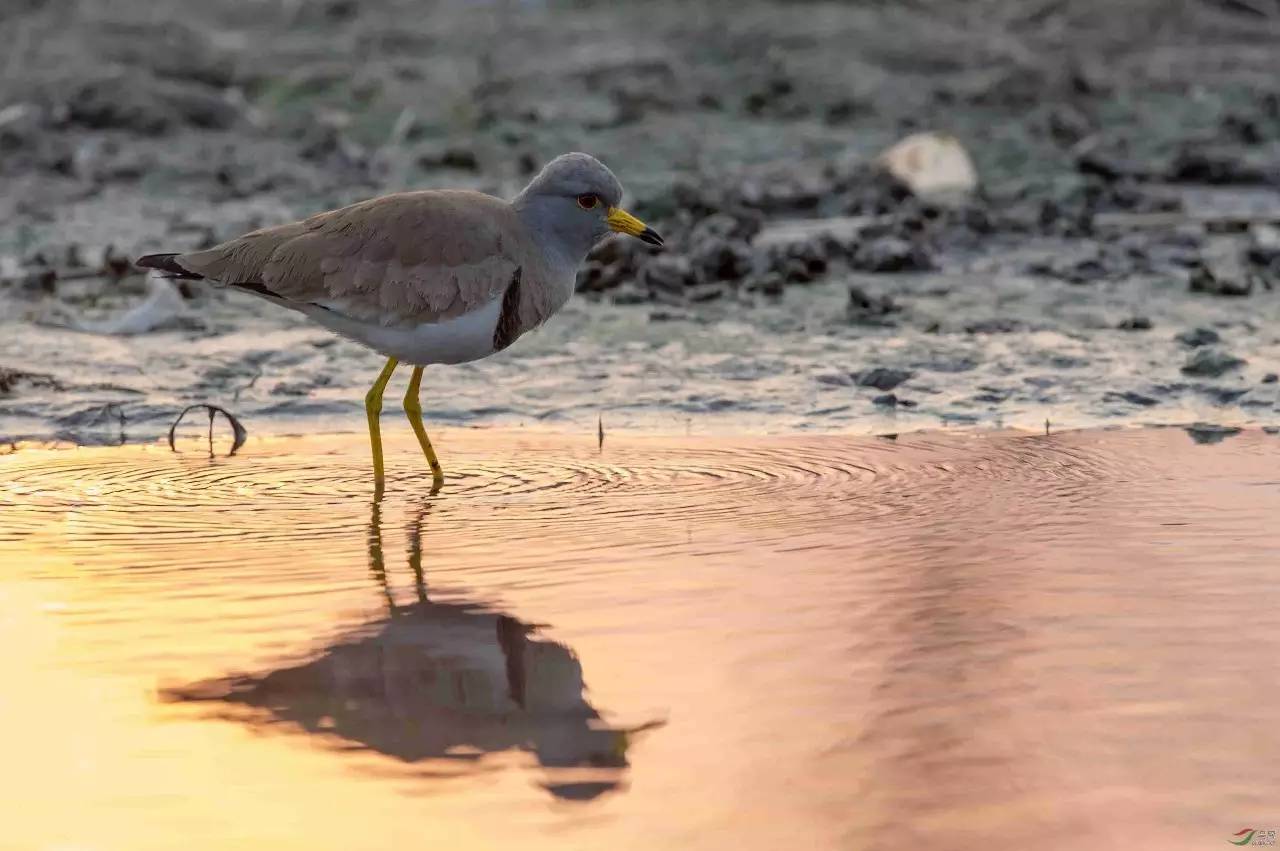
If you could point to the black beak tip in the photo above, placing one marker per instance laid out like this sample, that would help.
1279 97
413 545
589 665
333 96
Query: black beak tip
651 236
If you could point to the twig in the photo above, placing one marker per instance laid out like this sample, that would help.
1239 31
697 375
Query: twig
239 432
252 381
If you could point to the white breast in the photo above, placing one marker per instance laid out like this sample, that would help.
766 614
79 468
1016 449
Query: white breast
464 338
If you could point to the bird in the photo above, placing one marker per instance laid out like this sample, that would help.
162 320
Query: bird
435 276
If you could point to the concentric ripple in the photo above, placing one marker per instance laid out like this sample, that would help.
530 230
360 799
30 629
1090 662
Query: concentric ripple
569 495
687 479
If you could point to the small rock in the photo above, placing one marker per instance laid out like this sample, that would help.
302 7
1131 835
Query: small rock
932 165
868 190
773 97
1068 125
143 104
1132 398
341 10
1204 280
891 254
667 272
1062 217
779 192
327 145
870 309
812 252
798 262
1264 246
996 325
93 415
992 395
1208 433
844 109
793 270
20 126
115 264
1219 166
663 314
719 259
1135 323
950 364
1110 167
1197 337
42 279
1110 264
1221 395
881 377
618 250
705 292
1270 378
743 227
591 278
527 163
9 378
461 159
890 400
1211 363
1084 271
770 283
298 388
628 294
1242 129
1090 78
1265 236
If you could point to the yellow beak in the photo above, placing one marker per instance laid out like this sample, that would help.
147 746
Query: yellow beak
623 222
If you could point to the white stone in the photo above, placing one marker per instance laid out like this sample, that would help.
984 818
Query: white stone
931 165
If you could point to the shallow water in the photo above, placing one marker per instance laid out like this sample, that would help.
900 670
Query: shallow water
962 641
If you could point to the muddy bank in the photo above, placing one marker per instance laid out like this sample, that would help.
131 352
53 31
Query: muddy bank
1117 263
785 366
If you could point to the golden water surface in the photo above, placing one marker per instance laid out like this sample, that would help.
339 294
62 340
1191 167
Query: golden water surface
962 641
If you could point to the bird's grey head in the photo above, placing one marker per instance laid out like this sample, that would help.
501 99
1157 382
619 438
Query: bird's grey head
573 203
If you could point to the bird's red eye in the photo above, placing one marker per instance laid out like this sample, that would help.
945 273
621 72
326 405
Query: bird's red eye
588 202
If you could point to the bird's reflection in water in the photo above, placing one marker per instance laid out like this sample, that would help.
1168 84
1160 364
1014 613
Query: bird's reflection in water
441 685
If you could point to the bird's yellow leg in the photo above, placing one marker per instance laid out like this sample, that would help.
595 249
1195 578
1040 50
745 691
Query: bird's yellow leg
413 410
372 408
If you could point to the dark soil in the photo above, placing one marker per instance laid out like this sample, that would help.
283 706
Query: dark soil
1129 197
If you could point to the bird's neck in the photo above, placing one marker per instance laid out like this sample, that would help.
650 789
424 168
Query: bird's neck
564 248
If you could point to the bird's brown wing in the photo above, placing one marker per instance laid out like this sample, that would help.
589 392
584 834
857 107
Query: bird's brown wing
408 258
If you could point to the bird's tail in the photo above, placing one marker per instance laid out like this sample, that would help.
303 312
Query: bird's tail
167 266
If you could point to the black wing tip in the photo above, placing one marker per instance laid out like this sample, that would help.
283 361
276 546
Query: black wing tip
166 264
